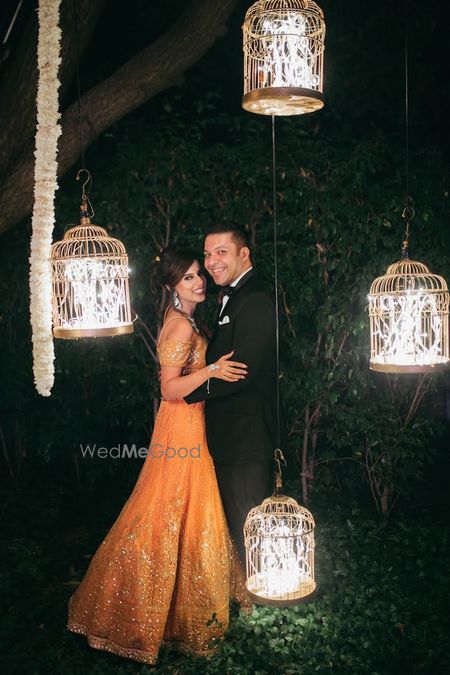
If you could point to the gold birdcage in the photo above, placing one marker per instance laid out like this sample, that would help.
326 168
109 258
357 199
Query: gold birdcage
283 57
408 309
90 283
279 542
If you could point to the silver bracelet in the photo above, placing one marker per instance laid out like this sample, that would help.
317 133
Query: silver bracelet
213 366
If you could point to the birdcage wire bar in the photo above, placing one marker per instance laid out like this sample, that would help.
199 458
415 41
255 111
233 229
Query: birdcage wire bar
90 284
279 542
283 44
409 320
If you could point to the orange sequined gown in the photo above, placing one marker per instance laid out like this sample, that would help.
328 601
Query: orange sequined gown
165 569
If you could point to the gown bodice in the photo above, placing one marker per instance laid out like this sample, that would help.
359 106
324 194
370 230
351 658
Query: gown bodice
186 354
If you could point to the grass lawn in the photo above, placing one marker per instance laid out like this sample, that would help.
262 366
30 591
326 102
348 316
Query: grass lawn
381 606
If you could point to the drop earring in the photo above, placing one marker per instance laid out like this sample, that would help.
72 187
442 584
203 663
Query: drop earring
176 303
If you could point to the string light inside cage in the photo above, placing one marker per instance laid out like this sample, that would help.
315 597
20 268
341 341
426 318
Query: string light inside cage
283 57
279 541
90 282
408 309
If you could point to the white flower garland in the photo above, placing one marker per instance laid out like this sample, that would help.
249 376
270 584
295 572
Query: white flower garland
45 186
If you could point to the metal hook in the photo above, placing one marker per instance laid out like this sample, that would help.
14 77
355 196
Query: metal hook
89 177
279 461
85 199
407 215
279 457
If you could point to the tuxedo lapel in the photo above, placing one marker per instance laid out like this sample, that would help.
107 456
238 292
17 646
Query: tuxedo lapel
236 288
243 281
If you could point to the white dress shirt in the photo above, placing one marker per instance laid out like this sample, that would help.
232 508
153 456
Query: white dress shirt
233 284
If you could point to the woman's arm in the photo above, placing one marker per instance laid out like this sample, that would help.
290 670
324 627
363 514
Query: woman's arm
175 385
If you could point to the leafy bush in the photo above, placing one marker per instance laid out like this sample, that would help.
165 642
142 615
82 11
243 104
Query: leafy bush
339 226
380 607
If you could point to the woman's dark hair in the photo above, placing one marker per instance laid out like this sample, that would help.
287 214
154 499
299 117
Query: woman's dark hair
169 267
171 264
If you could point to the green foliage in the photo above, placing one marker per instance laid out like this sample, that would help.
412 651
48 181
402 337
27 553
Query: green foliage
380 607
340 203
355 437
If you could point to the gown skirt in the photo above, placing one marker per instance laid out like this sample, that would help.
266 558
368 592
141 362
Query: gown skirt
166 570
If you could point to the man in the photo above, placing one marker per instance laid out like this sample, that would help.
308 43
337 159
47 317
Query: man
240 416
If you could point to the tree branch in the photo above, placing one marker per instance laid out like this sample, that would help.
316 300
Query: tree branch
18 85
151 71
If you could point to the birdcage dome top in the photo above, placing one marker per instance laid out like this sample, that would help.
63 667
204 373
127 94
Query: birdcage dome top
262 10
408 275
265 6
87 240
280 510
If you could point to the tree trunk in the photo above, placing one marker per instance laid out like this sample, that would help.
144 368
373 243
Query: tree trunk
151 71
18 86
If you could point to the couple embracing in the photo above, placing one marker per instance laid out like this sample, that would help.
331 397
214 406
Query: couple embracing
168 567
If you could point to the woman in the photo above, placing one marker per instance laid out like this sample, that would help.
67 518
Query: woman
165 571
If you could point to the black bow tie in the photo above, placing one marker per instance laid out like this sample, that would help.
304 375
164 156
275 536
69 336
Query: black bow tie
224 290
227 290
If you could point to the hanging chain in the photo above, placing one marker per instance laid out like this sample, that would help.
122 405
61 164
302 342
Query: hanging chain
275 252
408 211
406 114
77 62
278 455
11 25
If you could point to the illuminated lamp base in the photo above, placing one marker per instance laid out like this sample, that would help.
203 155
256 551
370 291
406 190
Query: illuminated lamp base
282 101
74 333
386 367
255 588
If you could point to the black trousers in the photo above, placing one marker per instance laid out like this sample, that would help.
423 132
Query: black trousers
243 486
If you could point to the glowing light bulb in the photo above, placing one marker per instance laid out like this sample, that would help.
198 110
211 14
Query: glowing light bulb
404 331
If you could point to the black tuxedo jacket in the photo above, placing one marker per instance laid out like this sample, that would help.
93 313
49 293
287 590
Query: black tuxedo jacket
241 416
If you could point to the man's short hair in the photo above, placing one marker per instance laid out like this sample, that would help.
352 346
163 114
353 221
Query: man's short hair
238 233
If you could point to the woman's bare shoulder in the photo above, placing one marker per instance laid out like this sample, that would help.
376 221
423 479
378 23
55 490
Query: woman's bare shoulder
176 328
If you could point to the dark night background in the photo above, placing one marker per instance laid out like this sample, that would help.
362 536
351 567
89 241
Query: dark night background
372 466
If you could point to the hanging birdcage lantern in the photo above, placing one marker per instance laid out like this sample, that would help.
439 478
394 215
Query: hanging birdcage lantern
409 306
408 309
279 543
283 57
90 282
